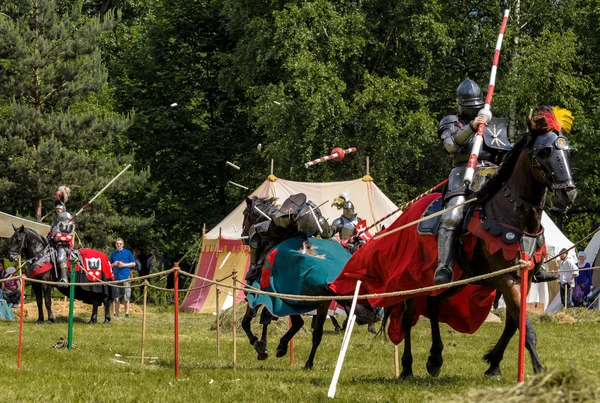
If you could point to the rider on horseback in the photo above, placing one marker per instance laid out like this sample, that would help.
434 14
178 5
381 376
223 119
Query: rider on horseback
62 232
346 224
295 217
457 135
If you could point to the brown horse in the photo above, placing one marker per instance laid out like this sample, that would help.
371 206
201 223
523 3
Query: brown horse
509 207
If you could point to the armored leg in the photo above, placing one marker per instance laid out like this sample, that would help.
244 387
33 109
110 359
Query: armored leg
446 241
62 264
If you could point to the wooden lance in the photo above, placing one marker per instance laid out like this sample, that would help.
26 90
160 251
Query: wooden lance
486 108
100 192
337 154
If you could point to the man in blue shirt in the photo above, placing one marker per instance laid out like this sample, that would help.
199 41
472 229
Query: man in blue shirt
121 262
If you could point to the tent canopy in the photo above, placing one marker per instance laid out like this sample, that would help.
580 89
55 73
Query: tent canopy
7 221
369 202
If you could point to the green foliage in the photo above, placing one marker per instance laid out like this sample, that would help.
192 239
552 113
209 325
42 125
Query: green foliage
56 118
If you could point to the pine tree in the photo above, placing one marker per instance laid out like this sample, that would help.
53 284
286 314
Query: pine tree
56 123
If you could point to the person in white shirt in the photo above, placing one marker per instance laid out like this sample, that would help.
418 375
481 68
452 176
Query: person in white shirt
566 278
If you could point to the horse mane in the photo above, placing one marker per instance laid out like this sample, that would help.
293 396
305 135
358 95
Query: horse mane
264 204
35 234
507 166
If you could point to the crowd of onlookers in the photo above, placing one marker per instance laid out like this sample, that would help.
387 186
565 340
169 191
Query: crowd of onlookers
575 280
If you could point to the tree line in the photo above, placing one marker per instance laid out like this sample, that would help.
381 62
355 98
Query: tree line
178 87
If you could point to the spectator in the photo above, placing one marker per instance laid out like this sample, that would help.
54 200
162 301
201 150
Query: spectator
155 262
121 262
2 273
584 280
566 278
11 289
5 311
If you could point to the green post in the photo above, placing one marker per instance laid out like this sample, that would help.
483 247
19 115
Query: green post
71 305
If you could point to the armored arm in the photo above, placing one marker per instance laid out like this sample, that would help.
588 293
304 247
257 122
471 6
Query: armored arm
453 134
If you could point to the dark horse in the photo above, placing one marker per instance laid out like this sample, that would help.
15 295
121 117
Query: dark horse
27 242
365 315
509 208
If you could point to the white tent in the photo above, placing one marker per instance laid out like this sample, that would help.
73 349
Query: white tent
7 221
222 250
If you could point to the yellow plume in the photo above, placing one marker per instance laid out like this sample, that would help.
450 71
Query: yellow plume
564 117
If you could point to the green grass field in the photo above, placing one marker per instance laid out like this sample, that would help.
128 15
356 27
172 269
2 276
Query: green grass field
90 372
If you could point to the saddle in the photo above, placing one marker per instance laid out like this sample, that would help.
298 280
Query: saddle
432 225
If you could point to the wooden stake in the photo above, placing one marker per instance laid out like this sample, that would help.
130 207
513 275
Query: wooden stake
396 362
234 279
218 322
144 320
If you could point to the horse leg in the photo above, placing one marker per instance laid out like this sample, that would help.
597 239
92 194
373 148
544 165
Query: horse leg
37 290
297 323
435 360
47 290
246 320
94 318
408 314
336 324
317 333
106 303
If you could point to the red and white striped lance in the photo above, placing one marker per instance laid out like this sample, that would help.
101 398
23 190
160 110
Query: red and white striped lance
337 154
402 207
470 171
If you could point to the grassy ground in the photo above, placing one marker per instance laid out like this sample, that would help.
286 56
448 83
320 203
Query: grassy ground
90 372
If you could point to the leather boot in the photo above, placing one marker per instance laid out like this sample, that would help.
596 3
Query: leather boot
444 273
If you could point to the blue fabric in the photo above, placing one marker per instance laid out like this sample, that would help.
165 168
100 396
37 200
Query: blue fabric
5 311
293 272
585 278
125 256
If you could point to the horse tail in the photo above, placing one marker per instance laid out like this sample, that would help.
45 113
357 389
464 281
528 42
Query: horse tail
386 317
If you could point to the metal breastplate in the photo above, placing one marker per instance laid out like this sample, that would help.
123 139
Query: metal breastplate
348 227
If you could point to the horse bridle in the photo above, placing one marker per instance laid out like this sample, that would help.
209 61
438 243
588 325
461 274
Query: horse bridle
549 155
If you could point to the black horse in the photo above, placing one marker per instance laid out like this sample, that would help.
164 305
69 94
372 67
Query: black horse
27 242
510 203
364 314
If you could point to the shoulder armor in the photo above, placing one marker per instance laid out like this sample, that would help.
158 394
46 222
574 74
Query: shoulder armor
446 120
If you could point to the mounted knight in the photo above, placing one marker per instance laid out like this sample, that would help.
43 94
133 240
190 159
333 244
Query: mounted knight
457 133
347 225
297 217
62 232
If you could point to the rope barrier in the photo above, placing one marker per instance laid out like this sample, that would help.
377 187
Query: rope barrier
293 297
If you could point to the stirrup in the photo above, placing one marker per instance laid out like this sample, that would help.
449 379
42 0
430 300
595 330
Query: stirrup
443 275
542 276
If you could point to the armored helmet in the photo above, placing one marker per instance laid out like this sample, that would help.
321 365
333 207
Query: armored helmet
469 98
59 205
348 211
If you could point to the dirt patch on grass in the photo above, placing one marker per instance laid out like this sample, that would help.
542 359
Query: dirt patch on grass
571 315
60 307
569 385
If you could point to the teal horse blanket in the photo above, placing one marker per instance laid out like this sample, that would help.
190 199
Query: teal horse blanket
289 269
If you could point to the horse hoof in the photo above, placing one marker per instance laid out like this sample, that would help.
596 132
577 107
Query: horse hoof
433 370
281 350
406 374
261 348
371 329
49 322
106 321
309 365
337 329
92 322
493 373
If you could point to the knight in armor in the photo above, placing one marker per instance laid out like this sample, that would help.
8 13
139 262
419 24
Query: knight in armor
346 224
62 232
457 133
297 216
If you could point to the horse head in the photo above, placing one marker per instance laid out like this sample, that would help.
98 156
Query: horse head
25 241
252 213
550 153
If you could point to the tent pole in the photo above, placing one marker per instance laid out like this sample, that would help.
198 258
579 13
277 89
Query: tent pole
272 162
218 308
144 320
367 165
